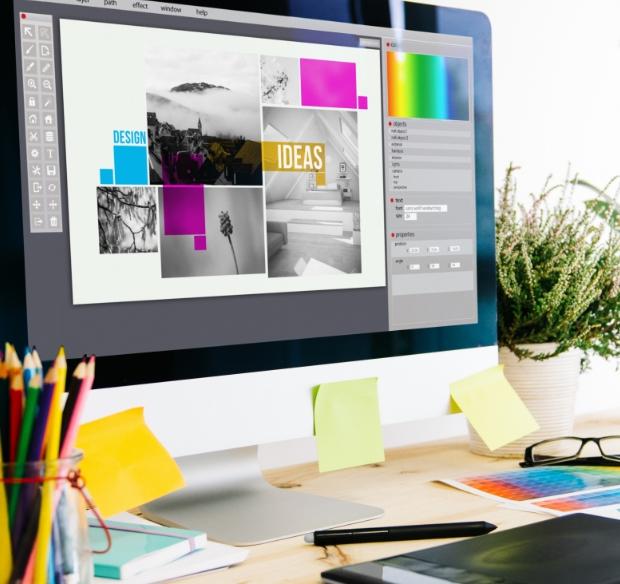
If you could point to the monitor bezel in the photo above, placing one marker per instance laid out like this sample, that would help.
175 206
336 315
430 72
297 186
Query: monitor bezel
141 368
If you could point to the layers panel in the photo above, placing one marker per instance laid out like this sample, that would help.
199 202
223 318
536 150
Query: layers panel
429 184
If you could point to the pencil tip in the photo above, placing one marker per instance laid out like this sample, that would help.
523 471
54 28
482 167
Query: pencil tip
36 359
61 359
51 375
80 370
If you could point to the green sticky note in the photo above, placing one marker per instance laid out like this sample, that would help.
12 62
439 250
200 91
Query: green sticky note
493 407
347 424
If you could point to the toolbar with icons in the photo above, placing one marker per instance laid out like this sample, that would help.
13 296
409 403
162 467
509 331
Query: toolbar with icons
40 111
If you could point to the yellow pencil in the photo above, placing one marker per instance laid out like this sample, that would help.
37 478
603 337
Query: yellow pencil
6 553
5 532
51 455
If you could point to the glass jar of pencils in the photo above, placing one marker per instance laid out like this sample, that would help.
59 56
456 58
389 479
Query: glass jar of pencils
43 525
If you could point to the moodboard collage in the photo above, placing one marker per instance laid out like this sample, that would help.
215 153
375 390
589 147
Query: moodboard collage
243 163
206 145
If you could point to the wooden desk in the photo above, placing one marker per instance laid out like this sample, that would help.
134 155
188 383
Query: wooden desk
403 487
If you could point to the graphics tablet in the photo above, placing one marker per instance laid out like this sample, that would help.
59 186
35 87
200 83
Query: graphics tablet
574 549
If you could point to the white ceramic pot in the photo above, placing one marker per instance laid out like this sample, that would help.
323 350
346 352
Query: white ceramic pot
547 388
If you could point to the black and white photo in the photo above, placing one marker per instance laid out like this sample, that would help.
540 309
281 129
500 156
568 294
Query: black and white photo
234 240
313 219
203 117
127 219
279 80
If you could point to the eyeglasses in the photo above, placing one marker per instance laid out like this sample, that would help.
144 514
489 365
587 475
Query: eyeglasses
567 450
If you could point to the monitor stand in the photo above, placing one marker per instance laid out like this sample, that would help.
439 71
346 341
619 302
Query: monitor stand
227 496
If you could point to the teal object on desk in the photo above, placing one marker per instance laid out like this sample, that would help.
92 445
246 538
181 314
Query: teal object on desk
137 547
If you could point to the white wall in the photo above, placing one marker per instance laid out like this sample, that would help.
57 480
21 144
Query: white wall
556 73
556 69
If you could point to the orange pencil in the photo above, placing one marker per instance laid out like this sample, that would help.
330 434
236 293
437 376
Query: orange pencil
12 360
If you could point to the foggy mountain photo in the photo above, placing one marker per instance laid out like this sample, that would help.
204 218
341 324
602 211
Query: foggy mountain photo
203 117
220 89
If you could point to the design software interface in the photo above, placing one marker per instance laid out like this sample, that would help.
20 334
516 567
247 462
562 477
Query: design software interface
196 177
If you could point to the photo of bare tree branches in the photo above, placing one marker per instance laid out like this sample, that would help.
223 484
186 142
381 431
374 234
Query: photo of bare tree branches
127 219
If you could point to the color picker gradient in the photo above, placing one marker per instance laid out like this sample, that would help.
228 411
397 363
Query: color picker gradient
542 481
427 86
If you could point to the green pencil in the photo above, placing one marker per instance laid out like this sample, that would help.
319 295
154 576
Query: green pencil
30 411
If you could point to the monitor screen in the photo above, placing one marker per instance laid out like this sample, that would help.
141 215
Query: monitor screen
289 190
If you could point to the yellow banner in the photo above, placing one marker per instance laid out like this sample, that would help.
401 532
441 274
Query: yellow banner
295 157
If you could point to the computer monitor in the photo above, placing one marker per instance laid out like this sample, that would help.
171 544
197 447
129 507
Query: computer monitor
230 202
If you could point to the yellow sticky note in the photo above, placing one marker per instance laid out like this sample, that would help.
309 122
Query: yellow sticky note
347 424
454 407
493 408
124 464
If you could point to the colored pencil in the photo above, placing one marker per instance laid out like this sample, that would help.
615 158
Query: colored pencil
27 541
72 393
6 552
73 424
16 398
29 369
34 453
31 515
32 398
4 409
37 361
16 412
12 360
51 455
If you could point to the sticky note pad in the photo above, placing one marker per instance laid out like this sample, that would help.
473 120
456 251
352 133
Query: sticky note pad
124 464
492 407
347 424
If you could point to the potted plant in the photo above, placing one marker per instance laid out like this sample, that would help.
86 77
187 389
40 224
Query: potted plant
558 286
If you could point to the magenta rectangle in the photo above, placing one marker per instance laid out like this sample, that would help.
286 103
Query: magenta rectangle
362 102
184 210
328 83
200 242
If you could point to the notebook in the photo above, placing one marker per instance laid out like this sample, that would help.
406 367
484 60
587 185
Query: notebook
136 548
213 557
573 549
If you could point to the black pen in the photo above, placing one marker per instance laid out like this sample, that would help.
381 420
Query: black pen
399 533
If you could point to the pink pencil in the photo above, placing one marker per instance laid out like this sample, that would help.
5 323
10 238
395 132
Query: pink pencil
80 402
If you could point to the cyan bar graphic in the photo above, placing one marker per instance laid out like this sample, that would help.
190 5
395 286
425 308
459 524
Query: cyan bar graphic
106 176
130 165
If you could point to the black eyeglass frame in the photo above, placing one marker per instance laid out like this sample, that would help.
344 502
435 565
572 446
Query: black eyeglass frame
574 459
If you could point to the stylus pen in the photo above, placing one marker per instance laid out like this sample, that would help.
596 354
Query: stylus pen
399 532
